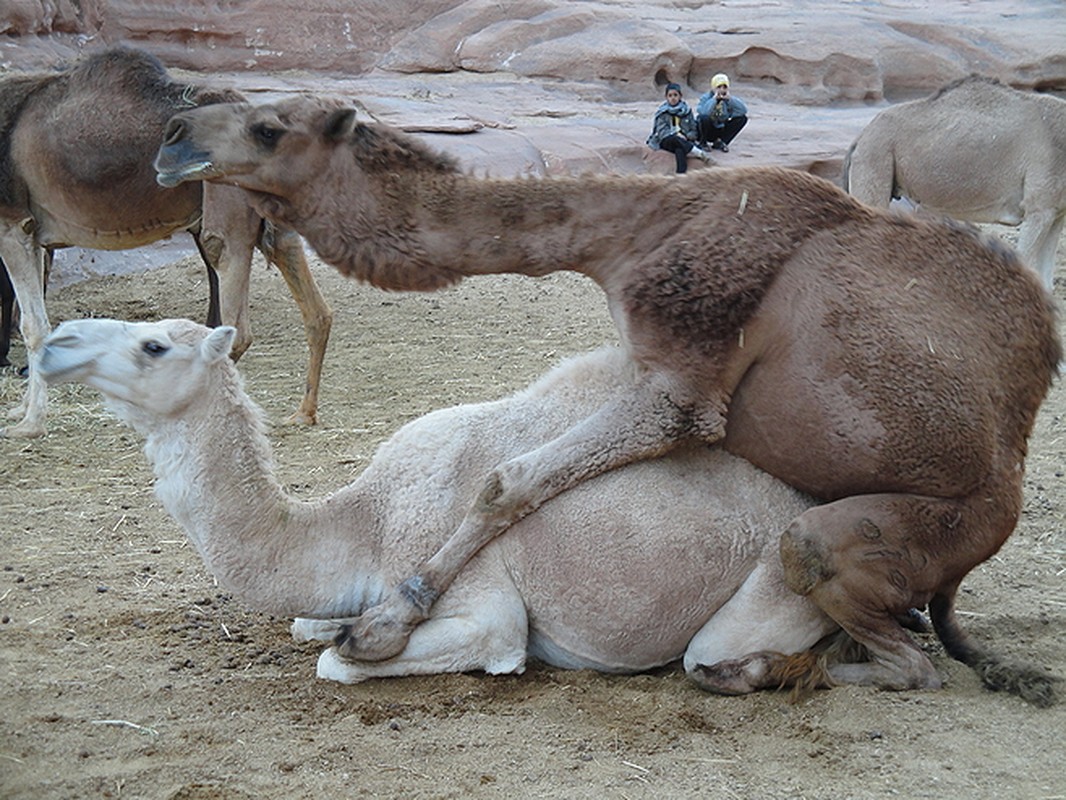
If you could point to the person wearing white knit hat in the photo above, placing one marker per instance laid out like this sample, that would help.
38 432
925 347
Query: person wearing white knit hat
720 115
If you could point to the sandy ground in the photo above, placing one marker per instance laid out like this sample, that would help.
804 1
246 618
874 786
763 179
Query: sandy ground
126 672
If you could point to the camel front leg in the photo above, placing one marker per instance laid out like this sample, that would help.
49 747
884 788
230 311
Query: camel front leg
486 630
228 235
643 423
25 262
285 249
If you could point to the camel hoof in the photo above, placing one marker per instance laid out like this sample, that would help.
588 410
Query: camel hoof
301 418
23 431
372 637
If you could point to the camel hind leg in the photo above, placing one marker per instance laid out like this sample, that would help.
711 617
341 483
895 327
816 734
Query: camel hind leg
760 639
867 560
1029 683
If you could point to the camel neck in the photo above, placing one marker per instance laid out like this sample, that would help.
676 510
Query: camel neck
214 474
412 231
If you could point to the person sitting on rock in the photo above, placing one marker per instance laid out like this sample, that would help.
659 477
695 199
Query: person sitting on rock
720 115
674 129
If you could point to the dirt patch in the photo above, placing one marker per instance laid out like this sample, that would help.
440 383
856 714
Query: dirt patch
126 672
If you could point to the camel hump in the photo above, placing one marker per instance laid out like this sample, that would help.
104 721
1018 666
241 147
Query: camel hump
118 68
104 116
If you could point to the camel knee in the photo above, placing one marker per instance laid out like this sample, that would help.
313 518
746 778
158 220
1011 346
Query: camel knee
805 559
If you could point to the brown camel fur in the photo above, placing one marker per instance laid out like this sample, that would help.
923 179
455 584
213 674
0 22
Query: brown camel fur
76 150
858 361
976 150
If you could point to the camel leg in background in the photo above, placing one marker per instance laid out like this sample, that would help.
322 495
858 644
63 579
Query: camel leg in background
285 249
227 237
641 424
7 314
25 262
1038 239
214 311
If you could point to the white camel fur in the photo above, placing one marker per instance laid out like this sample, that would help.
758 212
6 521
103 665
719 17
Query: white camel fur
976 150
633 569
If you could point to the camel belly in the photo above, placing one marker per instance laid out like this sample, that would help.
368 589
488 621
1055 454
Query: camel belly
620 572
76 229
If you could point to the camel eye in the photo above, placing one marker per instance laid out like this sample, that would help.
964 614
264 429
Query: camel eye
154 348
265 134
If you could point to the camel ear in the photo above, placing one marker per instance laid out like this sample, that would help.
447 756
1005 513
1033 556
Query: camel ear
218 343
340 124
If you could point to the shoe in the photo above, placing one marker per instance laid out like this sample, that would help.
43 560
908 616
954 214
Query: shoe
724 148
720 145
704 156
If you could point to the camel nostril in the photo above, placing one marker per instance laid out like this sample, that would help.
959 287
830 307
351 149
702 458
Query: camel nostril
174 131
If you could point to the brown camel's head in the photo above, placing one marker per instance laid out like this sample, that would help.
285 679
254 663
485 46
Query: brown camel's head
265 148
278 151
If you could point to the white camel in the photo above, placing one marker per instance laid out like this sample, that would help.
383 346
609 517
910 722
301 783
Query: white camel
978 151
630 570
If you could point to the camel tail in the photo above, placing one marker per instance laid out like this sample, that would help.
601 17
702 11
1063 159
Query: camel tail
997 674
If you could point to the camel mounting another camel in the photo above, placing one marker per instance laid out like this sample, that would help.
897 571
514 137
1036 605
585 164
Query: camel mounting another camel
976 150
76 149
892 366
606 576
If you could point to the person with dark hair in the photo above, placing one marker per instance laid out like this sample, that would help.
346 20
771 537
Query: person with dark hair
720 115
674 129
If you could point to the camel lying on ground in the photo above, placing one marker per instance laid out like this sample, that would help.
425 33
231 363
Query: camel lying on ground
976 150
76 149
631 570
893 366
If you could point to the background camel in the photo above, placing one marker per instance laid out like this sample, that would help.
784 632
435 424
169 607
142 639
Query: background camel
976 150
75 169
858 361
606 577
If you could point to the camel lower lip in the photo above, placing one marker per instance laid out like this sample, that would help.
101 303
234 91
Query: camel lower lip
171 178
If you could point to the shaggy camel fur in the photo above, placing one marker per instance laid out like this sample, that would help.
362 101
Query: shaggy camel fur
859 361
929 150
76 151
626 572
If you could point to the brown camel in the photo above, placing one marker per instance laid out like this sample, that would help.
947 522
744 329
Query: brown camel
858 362
76 150
976 150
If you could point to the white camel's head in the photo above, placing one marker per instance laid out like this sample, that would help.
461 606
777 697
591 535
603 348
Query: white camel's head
143 369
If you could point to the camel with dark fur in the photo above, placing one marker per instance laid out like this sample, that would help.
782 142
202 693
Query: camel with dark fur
76 149
975 150
858 360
